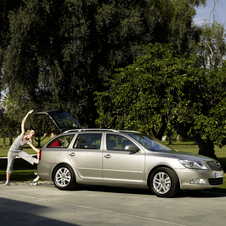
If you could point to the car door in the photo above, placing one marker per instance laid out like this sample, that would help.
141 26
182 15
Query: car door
120 165
86 156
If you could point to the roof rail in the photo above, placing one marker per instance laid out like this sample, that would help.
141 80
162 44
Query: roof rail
129 131
90 129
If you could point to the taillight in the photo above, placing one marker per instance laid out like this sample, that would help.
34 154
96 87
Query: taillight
40 154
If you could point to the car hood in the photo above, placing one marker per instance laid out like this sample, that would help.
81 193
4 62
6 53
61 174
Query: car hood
63 120
183 155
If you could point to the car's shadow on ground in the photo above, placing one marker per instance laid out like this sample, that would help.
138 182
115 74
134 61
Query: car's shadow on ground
143 191
112 189
200 194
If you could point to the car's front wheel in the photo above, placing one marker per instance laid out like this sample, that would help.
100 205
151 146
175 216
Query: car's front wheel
63 177
164 182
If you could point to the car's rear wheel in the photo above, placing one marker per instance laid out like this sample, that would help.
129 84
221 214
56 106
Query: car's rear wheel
63 177
164 182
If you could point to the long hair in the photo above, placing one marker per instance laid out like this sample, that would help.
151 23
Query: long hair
29 131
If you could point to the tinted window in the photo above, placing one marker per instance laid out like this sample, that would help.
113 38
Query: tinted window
65 120
61 142
117 142
88 141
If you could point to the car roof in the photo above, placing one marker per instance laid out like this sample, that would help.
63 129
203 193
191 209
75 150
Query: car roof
100 130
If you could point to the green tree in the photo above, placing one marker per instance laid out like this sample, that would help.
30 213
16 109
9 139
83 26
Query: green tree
150 93
164 90
60 52
212 46
211 122
7 125
211 49
174 23
11 117
5 7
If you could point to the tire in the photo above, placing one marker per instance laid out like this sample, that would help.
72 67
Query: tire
64 178
164 182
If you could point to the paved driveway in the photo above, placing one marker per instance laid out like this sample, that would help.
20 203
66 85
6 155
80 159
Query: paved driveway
94 205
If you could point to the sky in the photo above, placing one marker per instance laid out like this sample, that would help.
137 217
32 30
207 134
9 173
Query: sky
206 12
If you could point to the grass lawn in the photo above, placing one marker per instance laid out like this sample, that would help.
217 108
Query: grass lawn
27 173
4 151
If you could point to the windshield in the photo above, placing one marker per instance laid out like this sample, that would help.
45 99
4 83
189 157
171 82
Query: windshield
149 142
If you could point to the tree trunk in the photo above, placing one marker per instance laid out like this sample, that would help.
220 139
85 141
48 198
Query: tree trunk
206 147
170 139
162 129
10 139
3 141
38 140
170 135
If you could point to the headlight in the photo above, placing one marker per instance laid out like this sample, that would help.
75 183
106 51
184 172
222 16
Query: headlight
193 164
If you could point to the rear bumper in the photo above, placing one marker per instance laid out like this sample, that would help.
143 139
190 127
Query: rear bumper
45 170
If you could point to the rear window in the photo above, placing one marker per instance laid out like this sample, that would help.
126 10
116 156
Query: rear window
65 120
61 142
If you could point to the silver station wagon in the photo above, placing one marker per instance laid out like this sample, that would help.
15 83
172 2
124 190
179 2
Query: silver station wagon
124 158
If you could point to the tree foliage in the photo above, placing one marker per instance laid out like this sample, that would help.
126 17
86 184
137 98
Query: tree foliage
60 51
57 53
212 119
7 124
151 92
175 23
162 89
212 47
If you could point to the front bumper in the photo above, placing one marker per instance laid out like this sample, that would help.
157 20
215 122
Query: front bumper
192 179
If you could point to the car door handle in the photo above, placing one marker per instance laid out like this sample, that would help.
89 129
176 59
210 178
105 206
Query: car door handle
72 154
107 156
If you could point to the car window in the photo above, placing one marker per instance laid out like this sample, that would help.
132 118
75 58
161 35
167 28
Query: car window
65 120
88 141
117 142
151 144
61 142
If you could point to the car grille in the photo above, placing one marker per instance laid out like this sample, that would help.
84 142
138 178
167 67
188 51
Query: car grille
216 181
214 165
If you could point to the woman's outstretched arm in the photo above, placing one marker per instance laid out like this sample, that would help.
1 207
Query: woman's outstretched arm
23 122
33 147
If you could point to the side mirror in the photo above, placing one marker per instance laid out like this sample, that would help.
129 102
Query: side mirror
131 148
